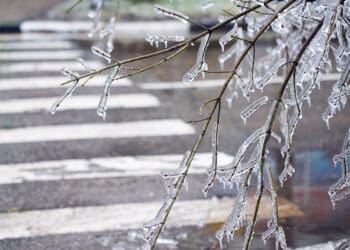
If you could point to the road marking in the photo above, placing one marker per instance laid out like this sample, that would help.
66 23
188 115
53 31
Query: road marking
54 82
148 128
32 67
181 85
112 167
127 217
78 102
217 83
38 36
40 55
36 45
124 30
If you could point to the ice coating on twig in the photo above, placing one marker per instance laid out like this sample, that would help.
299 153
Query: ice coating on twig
288 170
209 182
254 106
200 64
171 13
264 80
171 179
273 228
155 39
341 189
75 77
81 62
235 219
338 98
102 105
101 53
228 36
95 15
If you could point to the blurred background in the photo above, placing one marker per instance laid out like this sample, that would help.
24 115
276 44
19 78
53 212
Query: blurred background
76 181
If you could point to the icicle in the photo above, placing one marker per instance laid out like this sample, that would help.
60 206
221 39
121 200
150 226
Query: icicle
95 15
228 37
269 74
235 219
270 232
248 111
281 238
277 137
80 61
213 167
75 77
288 170
232 92
227 55
341 189
171 177
200 64
171 13
101 53
111 31
154 39
102 105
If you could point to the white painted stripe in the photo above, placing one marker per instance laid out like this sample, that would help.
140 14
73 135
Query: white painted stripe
126 217
78 103
54 82
217 83
40 55
30 67
98 130
123 30
37 36
181 85
36 45
124 166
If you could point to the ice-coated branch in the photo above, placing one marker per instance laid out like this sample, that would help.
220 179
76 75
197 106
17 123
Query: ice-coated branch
273 227
200 64
171 13
155 40
101 53
102 105
254 106
341 189
212 171
75 77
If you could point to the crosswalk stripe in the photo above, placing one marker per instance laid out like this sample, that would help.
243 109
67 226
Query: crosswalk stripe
36 45
126 217
147 128
54 82
124 30
32 67
181 85
124 166
217 83
40 55
37 36
78 102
